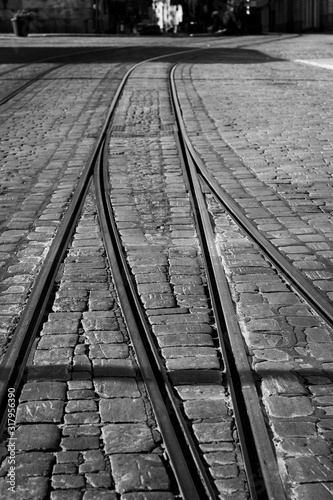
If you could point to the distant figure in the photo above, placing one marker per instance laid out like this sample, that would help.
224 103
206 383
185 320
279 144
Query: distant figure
216 21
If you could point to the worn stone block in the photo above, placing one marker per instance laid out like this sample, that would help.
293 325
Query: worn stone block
98 479
113 387
113 368
31 464
187 392
122 410
127 438
139 472
104 337
116 351
209 432
40 411
80 443
288 407
78 405
67 481
206 409
37 437
310 469
68 494
37 391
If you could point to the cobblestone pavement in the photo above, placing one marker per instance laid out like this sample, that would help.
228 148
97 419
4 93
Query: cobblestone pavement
269 117
264 130
47 134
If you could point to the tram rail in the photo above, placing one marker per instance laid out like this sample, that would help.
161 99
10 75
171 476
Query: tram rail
194 483
260 461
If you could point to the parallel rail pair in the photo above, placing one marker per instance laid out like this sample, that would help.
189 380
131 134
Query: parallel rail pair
190 473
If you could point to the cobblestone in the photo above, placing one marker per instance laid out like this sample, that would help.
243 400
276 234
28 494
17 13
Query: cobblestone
277 170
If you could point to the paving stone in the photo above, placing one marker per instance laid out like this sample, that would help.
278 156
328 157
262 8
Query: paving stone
80 443
322 352
113 368
286 384
316 335
212 409
193 362
56 356
82 417
220 458
182 328
99 320
302 446
58 323
85 429
99 494
67 481
113 387
108 351
127 438
313 491
79 385
78 405
185 339
40 411
67 456
139 472
281 406
122 410
37 437
27 488
202 392
310 469
209 432
179 318
36 391
98 480
81 394
104 337
54 341
264 324
158 300
30 464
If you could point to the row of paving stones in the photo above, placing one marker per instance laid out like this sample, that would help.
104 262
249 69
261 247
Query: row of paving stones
291 353
47 134
156 223
290 347
253 139
84 425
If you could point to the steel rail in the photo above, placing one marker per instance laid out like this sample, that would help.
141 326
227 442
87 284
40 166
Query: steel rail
239 372
13 364
27 84
185 461
317 301
29 324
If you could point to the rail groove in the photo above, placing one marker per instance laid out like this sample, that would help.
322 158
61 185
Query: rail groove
240 378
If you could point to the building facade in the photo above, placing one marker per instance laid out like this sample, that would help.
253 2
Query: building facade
189 16
299 16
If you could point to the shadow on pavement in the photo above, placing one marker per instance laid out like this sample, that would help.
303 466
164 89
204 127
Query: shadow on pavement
90 55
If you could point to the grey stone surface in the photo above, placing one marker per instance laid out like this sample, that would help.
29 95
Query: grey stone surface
139 472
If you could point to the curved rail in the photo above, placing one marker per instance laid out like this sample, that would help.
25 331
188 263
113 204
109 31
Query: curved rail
14 361
26 85
257 447
322 306
190 474
15 358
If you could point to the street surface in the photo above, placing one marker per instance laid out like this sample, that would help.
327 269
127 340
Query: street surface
263 104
